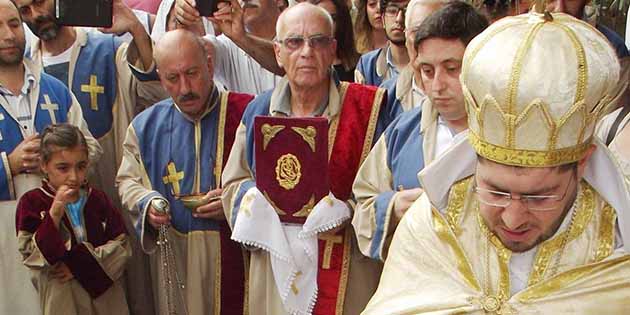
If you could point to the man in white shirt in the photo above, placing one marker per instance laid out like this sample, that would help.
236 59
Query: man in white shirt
244 58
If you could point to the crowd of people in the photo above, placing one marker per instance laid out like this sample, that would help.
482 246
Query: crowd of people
476 159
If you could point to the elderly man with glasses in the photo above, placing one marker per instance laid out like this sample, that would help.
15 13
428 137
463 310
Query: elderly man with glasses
529 215
287 275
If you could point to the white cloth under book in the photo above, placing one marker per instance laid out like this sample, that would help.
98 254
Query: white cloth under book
292 247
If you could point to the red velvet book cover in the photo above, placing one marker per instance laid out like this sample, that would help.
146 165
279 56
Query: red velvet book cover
292 164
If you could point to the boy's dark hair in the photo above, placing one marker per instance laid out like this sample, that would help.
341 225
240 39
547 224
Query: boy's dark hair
383 3
455 20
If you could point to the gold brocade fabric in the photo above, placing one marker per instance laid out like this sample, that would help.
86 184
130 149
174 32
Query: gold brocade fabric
536 111
448 264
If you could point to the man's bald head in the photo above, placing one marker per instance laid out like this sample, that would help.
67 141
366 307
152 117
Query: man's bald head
179 42
185 71
298 12
415 15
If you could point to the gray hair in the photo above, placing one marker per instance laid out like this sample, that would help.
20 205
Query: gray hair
414 3
303 6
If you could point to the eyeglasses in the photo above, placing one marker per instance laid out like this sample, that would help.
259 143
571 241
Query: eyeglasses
393 10
315 41
533 202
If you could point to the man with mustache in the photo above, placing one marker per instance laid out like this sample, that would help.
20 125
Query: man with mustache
177 149
325 272
30 100
244 59
387 182
528 213
381 64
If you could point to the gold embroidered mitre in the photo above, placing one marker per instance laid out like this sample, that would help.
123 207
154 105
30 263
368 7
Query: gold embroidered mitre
535 86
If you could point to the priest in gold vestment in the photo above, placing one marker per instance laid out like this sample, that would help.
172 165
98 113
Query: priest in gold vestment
529 215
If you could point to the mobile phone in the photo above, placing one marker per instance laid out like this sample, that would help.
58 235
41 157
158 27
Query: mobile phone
90 13
207 7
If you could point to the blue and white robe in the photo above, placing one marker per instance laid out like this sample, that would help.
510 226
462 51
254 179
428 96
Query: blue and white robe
372 68
51 102
406 147
166 153
400 90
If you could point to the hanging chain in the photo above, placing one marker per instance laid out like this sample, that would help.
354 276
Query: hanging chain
567 233
172 282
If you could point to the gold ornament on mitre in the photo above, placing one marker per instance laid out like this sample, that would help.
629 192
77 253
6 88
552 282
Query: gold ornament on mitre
535 86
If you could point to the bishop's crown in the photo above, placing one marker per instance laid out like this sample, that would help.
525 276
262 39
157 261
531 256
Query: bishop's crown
535 86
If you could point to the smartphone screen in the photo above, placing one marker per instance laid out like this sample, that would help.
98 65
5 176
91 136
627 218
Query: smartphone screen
90 13
206 7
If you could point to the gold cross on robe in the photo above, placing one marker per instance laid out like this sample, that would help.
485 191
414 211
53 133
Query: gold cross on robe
331 240
50 107
173 177
294 288
94 89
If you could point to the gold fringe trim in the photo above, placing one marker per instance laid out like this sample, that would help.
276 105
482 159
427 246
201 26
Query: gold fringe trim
606 233
369 134
527 158
444 232
583 215
504 255
332 129
345 269
218 164
217 281
565 279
